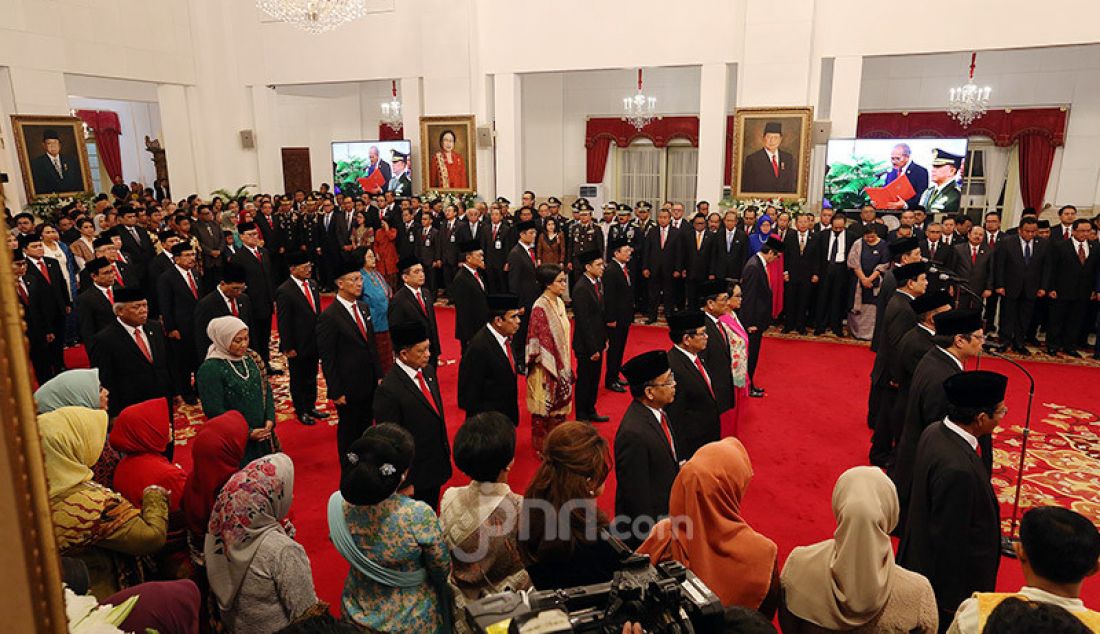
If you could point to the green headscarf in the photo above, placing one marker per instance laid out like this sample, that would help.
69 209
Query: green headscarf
74 388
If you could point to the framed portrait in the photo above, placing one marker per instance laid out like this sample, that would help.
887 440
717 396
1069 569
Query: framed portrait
448 153
771 152
52 155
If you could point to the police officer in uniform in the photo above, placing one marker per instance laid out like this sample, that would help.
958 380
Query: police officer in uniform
644 224
584 235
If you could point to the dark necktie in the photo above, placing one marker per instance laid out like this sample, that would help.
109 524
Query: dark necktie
833 249
1027 253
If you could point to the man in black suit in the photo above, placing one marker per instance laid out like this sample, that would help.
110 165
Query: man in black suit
376 164
868 217
38 306
226 299
898 319
935 251
731 248
645 450
700 246
902 163
487 371
953 536
1067 216
498 242
411 303
158 265
135 244
132 355
756 307
96 304
349 358
618 298
409 396
428 251
800 262
53 172
178 296
833 277
958 339
298 302
448 240
522 283
589 341
257 266
662 263
693 412
335 238
1071 281
104 247
46 272
212 243
974 264
469 294
770 169
714 298
1019 265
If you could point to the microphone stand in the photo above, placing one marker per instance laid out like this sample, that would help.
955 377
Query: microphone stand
1008 541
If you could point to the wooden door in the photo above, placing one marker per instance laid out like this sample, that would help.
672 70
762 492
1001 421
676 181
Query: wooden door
296 170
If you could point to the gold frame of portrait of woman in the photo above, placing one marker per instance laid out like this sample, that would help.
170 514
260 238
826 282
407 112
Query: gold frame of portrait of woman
448 153
32 600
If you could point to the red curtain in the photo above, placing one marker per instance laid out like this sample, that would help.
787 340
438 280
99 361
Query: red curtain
105 125
601 131
386 133
1036 159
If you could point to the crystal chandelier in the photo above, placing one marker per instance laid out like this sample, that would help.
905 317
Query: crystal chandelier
968 103
639 110
391 111
315 16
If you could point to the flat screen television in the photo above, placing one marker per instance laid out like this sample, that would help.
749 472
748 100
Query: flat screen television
372 167
863 171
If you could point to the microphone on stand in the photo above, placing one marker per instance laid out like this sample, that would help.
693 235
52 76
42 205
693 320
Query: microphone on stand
1007 541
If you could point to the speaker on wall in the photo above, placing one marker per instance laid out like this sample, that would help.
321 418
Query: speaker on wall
485 136
248 139
822 131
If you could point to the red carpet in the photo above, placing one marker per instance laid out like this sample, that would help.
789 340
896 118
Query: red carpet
801 437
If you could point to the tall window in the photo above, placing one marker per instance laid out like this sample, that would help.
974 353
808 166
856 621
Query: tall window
983 180
94 165
645 172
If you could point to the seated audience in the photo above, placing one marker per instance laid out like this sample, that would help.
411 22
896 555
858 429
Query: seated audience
479 520
164 607
1017 616
575 463
91 522
1058 550
398 555
259 574
716 543
850 583
233 378
80 388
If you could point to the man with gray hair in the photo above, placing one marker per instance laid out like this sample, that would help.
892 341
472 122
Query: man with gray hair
901 162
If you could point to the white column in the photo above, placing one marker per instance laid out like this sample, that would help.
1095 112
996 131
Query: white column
412 107
844 105
175 122
508 105
265 122
713 108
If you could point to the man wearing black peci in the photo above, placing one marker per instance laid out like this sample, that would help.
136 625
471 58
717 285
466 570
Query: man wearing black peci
298 302
178 295
96 304
226 299
257 266
47 273
487 371
714 297
157 266
756 307
468 293
618 308
589 341
645 449
693 412
37 301
349 359
522 283
131 355
412 303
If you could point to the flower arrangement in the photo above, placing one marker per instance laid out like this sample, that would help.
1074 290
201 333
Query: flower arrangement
87 616
449 198
740 204
47 208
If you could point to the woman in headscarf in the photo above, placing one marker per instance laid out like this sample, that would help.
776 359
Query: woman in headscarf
479 519
233 378
91 522
399 558
760 234
81 388
259 574
164 607
711 537
850 583
739 361
549 358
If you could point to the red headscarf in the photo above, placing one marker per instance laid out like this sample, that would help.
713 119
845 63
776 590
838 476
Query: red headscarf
141 433
217 452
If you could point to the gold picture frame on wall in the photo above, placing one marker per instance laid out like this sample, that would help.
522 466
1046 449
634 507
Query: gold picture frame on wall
448 153
771 152
53 156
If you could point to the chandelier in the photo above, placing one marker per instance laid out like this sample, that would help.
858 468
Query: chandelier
391 111
315 16
968 103
639 110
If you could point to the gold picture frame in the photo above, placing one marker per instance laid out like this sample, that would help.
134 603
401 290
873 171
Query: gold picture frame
758 173
454 168
41 175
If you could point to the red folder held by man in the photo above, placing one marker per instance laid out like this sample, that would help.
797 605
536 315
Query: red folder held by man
884 197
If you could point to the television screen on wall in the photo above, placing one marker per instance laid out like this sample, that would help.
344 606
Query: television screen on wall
895 174
372 167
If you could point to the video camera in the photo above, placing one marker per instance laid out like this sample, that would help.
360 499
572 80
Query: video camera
667 598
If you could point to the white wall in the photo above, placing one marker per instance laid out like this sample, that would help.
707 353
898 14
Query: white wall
138 119
1062 76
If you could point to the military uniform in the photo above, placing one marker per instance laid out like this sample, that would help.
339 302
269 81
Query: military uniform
946 198
642 231
583 238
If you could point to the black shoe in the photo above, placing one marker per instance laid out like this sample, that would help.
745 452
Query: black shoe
1096 356
615 387
191 399
1034 342
1023 352
274 371
596 418
307 420
756 392
786 331
316 413
650 321
1052 352
1072 353
818 332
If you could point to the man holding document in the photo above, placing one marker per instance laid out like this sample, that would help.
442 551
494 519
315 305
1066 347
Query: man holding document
905 182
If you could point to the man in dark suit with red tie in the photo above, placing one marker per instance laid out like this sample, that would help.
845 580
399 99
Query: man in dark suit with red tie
96 304
522 282
769 169
38 306
974 263
412 303
800 262
257 266
662 263
298 302
1019 266
47 272
487 371
409 396
590 340
468 293
693 412
756 307
1070 284
618 297
131 355
714 297
178 296
226 299
349 358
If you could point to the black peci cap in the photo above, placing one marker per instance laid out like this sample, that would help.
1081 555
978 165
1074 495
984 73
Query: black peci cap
957 322
977 388
645 367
